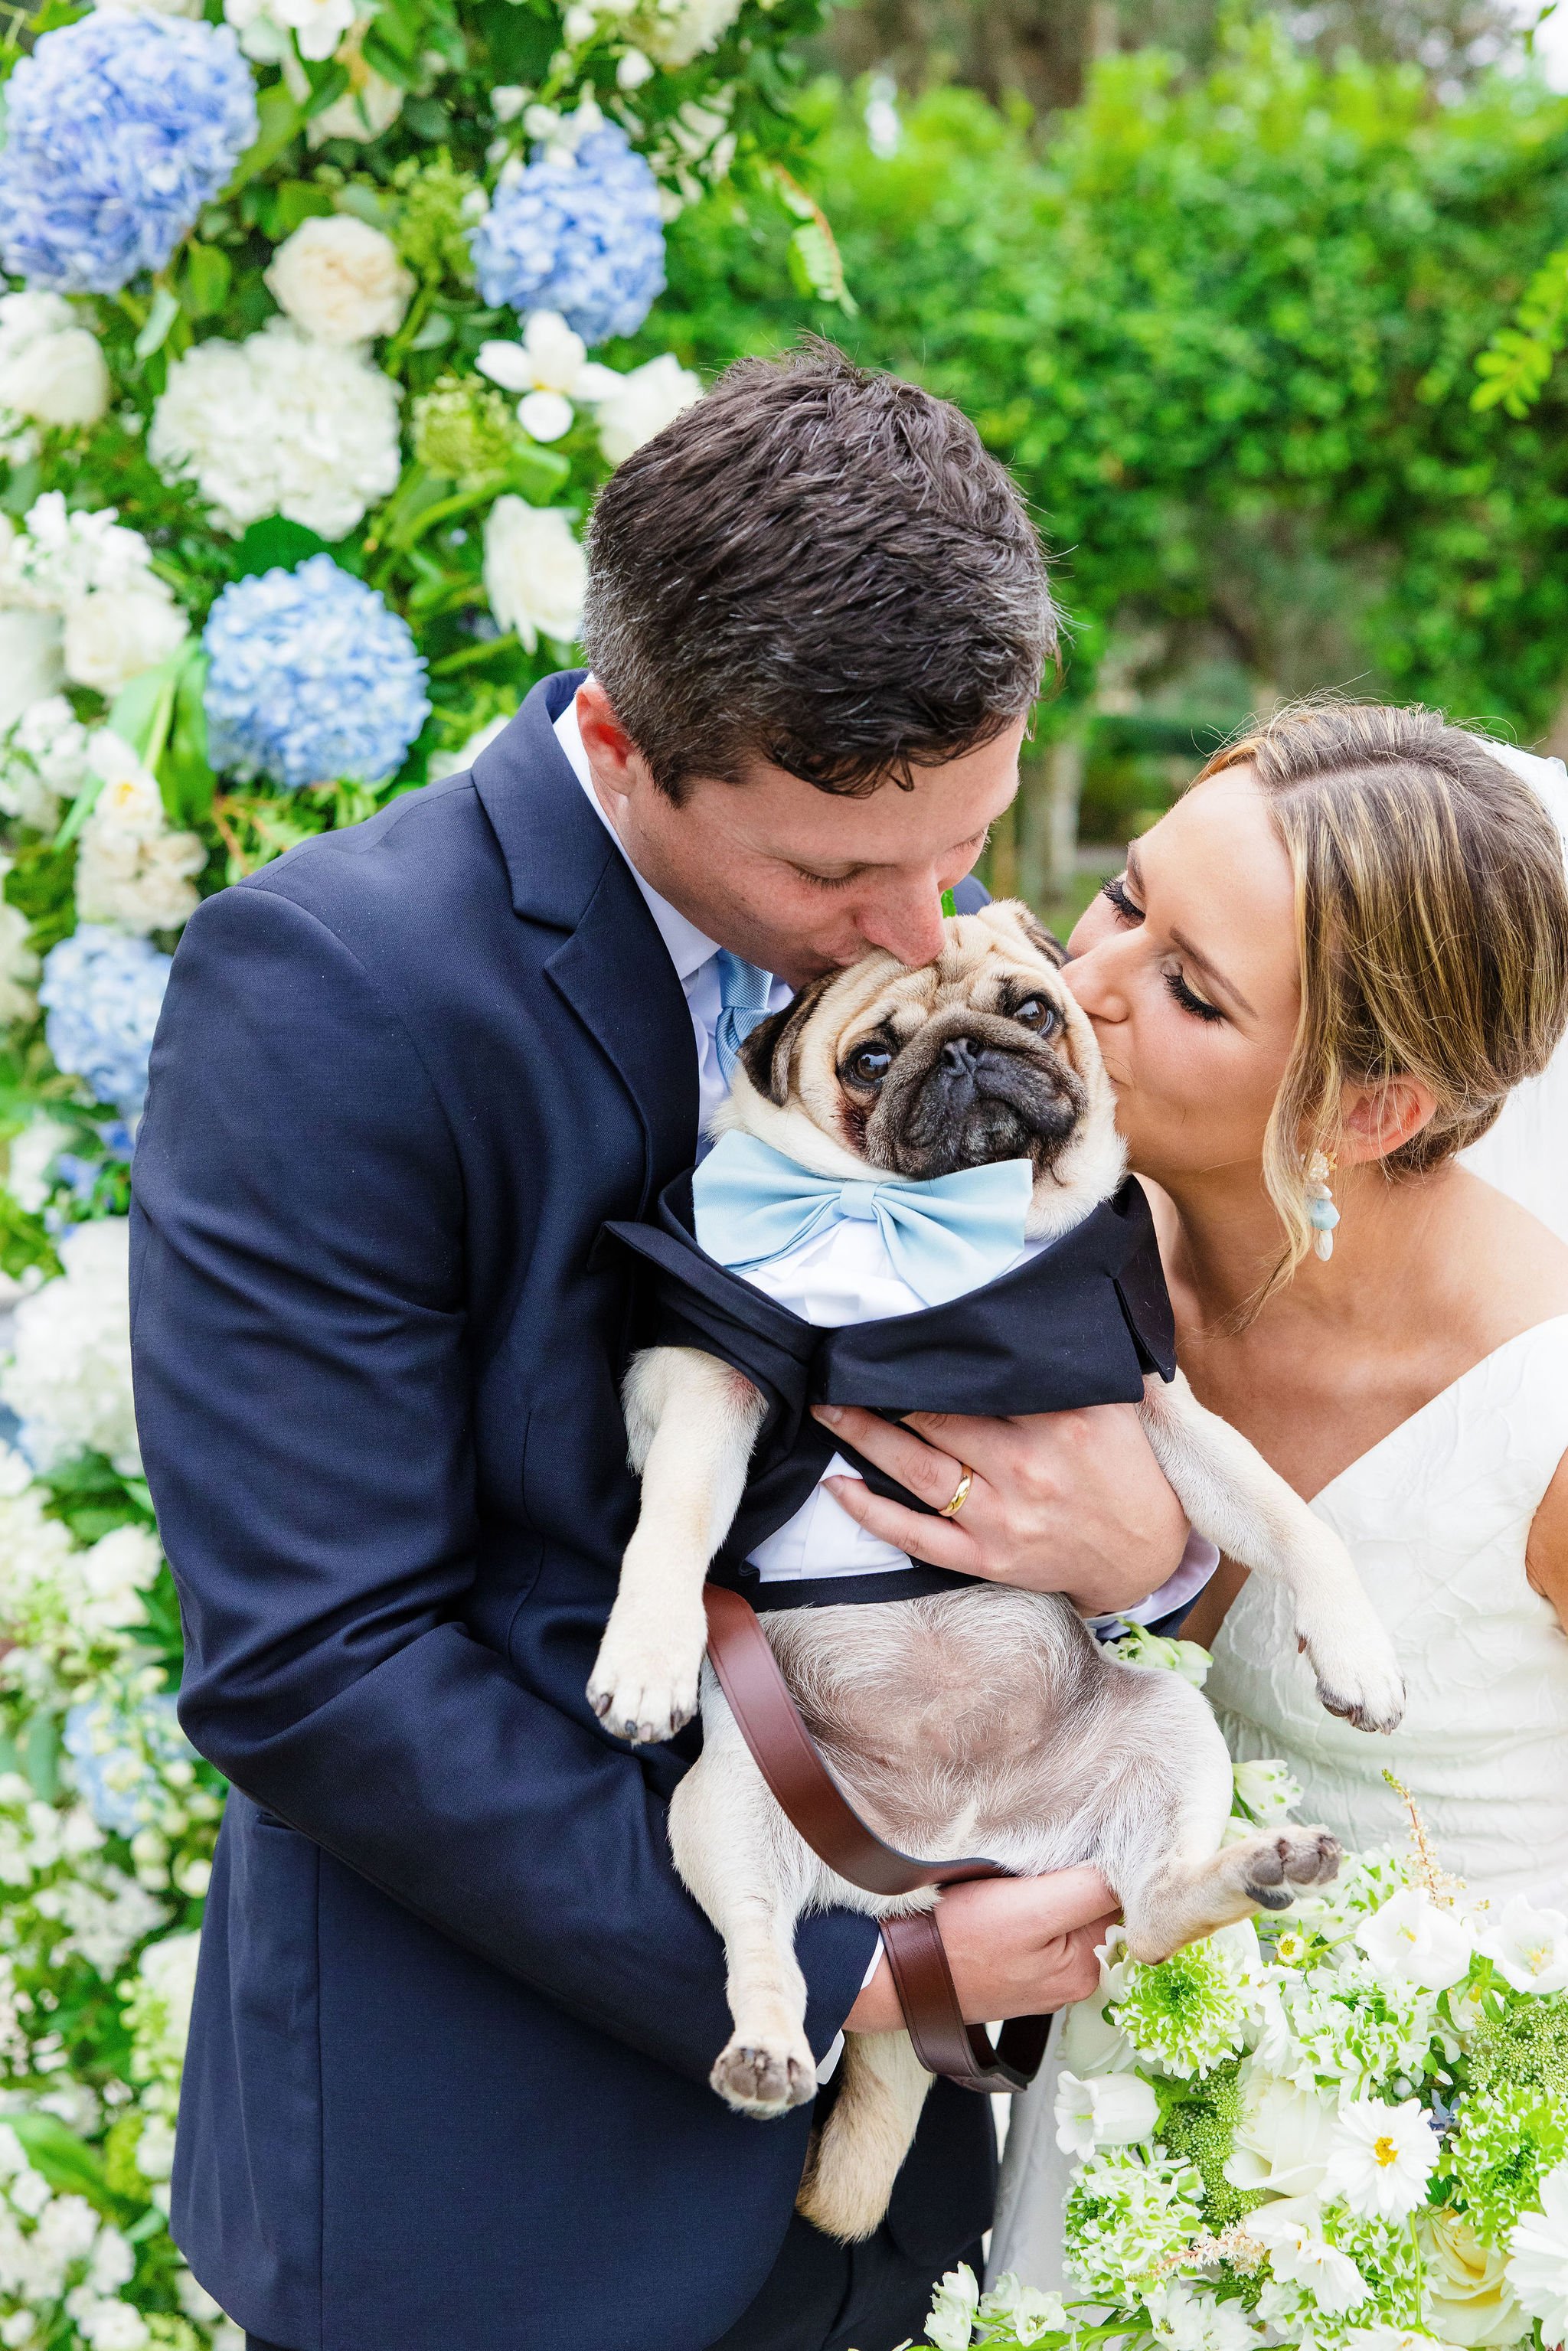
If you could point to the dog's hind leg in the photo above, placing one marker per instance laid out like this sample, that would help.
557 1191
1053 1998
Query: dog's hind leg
856 2157
752 1874
691 1423
1160 1846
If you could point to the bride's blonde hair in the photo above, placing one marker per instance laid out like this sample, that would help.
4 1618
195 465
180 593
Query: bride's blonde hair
1431 924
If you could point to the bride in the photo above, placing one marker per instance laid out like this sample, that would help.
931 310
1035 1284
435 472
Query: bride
1317 982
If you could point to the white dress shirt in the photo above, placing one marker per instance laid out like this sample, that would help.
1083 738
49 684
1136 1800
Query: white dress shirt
691 951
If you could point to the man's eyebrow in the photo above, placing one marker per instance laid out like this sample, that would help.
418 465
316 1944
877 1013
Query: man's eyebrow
1210 969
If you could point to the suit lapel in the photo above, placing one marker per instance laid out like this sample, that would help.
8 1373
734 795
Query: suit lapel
611 969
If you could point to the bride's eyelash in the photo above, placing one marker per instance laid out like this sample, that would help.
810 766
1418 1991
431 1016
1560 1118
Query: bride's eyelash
1116 891
1184 995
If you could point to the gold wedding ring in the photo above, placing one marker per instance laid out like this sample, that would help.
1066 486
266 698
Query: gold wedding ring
960 1493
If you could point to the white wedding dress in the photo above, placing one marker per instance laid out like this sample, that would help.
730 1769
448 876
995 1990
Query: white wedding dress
1436 1516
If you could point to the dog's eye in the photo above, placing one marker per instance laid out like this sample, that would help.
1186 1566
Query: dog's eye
868 1066
1037 1014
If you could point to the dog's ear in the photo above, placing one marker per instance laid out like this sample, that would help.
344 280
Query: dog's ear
1043 942
767 1054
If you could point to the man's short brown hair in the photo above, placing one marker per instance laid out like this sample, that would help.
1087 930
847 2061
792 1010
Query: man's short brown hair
818 567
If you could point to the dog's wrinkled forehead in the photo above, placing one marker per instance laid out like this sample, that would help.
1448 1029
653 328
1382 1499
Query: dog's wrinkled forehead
991 961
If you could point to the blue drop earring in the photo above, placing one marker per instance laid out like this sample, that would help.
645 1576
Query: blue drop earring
1322 1214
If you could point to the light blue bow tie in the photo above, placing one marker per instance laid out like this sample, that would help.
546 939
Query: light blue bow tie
945 1237
743 993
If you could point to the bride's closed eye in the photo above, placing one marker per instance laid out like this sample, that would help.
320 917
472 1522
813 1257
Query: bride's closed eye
1128 910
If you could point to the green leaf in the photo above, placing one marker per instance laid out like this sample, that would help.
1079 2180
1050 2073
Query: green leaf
208 274
25 1241
300 200
328 84
437 330
280 119
66 2161
41 1757
275 544
159 318
184 773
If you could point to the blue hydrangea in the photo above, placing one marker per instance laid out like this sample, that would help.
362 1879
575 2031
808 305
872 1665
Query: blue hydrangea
102 990
119 128
312 679
584 238
117 1759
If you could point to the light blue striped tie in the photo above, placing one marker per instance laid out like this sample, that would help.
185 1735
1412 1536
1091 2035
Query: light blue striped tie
743 993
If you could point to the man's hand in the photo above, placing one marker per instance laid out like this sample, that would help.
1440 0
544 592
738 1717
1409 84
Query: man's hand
1017 1947
1062 1502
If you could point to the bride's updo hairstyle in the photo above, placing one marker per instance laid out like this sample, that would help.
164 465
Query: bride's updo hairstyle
1431 922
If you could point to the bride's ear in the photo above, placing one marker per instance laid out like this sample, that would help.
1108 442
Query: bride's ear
1376 1120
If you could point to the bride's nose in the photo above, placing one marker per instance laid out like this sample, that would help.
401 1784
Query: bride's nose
1096 977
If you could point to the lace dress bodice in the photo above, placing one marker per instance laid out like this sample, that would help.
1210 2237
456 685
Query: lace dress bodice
1436 1518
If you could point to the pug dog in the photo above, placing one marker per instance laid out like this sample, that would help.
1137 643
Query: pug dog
983 1719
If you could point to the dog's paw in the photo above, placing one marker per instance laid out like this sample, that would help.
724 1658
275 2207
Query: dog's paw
644 1684
1275 1868
1357 1673
765 2077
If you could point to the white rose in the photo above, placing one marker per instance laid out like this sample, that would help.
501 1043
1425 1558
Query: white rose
32 665
132 869
1467 2299
536 574
340 281
1283 2140
642 403
112 636
57 379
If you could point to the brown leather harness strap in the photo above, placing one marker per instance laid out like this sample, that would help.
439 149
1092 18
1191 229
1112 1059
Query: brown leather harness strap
808 1796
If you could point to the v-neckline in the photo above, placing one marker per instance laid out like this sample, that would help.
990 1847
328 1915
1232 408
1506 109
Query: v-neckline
1442 1396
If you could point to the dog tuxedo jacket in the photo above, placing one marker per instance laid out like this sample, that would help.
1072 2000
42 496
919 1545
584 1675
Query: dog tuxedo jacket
1079 1320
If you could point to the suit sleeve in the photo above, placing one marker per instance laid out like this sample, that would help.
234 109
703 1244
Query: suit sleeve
303 1394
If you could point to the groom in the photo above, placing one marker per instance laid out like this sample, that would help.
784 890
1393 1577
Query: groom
447 2076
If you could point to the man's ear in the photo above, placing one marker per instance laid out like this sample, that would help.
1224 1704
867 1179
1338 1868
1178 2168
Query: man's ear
1033 932
1378 1120
768 1055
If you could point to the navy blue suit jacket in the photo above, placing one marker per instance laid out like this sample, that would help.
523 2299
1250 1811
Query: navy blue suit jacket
447 2076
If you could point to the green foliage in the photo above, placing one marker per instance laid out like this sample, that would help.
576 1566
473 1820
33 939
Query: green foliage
1225 333
1197 2122
1525 2043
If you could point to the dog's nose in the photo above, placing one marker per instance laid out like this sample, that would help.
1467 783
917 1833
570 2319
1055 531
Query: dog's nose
959 1056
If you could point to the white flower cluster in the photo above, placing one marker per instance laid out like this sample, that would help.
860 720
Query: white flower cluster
52 370
91 608
1318 2074
279 424
43 758
673 32
133 869
70 1379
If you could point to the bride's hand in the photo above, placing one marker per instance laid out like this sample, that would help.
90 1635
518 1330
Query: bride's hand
1062 1501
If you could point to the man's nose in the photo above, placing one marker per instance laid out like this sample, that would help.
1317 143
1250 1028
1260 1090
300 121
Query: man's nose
910 928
